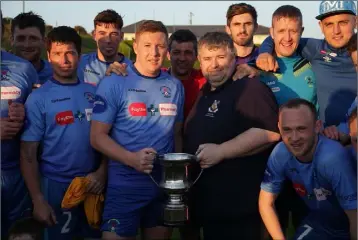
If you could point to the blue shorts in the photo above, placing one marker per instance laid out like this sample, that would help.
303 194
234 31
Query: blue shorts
127 209
312 229
70 222
15 199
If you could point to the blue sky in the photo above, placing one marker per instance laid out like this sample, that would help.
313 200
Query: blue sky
82 13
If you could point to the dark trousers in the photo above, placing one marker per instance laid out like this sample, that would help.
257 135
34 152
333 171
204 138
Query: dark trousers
245 227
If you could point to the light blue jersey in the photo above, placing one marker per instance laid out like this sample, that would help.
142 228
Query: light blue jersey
92 70
17 79
45 73
58 115
327 184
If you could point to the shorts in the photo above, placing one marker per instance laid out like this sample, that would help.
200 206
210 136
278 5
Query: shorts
15 199
312 229
126 209
70 222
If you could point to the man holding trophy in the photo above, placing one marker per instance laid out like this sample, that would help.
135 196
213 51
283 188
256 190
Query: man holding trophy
135 119
232 129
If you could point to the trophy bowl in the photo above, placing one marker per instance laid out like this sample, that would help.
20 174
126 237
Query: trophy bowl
176 183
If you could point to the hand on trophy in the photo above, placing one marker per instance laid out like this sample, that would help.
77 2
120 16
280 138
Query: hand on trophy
209 154
144 160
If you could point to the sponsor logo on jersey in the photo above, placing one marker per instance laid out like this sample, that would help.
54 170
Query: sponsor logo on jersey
167 109
79 115
65 118
60 99
152 110
137 109
91 71
166 91
88 112
12 93
136 90
99 104
321 193
89 96
300 189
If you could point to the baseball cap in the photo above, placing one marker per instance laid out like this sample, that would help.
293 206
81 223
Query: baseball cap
327 8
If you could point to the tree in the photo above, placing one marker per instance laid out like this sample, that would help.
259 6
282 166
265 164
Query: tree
80 30
7 20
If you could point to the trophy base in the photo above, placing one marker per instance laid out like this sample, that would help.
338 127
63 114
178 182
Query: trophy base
176 213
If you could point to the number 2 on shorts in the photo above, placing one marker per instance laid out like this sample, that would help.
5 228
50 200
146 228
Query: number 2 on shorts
306 232
65 228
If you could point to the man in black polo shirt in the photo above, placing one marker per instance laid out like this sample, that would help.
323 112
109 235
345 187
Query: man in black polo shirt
232 128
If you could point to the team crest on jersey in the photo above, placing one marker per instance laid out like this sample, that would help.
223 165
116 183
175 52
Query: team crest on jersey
152 110
309 80
79 115
112 225
89 96
327 55
166 91
5 75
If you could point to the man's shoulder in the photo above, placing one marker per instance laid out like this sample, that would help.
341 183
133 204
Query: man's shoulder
15 63
88 58
281 152
330 151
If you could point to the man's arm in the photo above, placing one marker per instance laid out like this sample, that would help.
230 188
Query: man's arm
340 173
308 47
270 188
258 107
269 216
29 169
248 143
102 142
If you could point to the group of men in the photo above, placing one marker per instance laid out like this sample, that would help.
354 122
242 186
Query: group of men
102 116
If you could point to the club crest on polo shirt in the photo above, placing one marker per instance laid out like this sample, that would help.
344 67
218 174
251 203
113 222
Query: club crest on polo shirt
213 109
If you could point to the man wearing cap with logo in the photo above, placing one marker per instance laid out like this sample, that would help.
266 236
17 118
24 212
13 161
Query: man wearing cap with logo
331 62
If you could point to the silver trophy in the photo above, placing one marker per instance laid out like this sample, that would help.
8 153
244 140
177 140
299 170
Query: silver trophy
176 183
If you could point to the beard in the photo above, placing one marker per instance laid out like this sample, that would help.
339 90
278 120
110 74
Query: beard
243 42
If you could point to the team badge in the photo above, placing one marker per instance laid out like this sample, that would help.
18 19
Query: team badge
166 91
214 107
89 96
112 225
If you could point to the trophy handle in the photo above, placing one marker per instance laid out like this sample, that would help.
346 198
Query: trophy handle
197 177
150 175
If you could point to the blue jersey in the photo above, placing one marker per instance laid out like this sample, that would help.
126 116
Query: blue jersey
142 112
335 73
58 115
92 70
45 73
17 78
328 184
294 79
343 126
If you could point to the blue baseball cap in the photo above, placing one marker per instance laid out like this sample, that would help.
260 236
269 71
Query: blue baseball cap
327 8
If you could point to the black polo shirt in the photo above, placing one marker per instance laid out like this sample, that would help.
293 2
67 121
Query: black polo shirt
232 186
